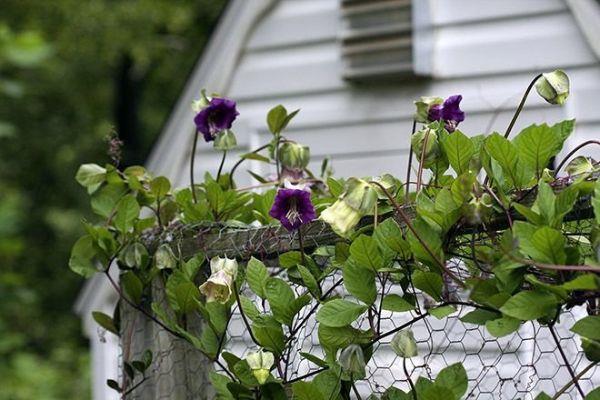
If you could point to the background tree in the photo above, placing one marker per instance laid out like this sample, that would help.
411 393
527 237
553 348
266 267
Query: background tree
71 73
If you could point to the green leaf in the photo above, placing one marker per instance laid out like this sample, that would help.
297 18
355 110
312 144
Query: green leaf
309 281
436 392
306 391
219 383
281 299
479 317
91 176
314 359
340 337
160 186
431 238
82 257
393 302
588 327
128 210
582 282
548 246
269 334
105 200
133 286
365 252
459 149
502 326
257 276
593 395
529 305
536 145
359 281
338 312
187 296
429 282
442 312
249 308
105 321
454 377
388 236
278 118
506 155
543 396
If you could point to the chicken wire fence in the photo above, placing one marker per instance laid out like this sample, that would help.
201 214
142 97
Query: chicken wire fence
517 366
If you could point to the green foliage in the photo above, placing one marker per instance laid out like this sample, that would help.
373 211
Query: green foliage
503 246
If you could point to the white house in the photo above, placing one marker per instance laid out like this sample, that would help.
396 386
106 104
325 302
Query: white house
354 67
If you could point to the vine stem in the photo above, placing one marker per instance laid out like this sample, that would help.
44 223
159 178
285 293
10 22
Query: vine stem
410 382
521 105
571 382
301 245
414 231
192 159
575 150
241 160
221 165
410 156
354 388
565 359
239 303
421 161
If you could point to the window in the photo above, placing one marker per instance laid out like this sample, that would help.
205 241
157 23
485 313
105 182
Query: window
376 39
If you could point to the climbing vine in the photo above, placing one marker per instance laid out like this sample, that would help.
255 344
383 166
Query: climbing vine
481 222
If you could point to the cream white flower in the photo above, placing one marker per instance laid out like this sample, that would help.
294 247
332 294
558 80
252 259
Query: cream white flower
219 286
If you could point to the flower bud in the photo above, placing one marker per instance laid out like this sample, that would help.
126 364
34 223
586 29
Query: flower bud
135 255
294 156
478 209
164 257
404 344
358 200
341 217
426 138
553 86
423 105
260 363
225 140
579 166
352 360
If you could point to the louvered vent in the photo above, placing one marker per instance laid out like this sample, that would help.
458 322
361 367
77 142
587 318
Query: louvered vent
376 39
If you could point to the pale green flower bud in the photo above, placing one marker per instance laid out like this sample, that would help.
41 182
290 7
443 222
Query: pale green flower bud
580 165
135 255
225 140
404 344
360 195
423 105
164 257
294 156
260 363
358 200
478 209
341 217
553 86
426 138
352 360
218 287
200 103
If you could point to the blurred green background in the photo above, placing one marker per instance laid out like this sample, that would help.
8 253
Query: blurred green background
71 73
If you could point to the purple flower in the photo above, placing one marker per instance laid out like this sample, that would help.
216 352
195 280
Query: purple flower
292 207
449 112
216 117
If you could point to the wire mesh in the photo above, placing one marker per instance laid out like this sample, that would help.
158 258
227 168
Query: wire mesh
517 366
